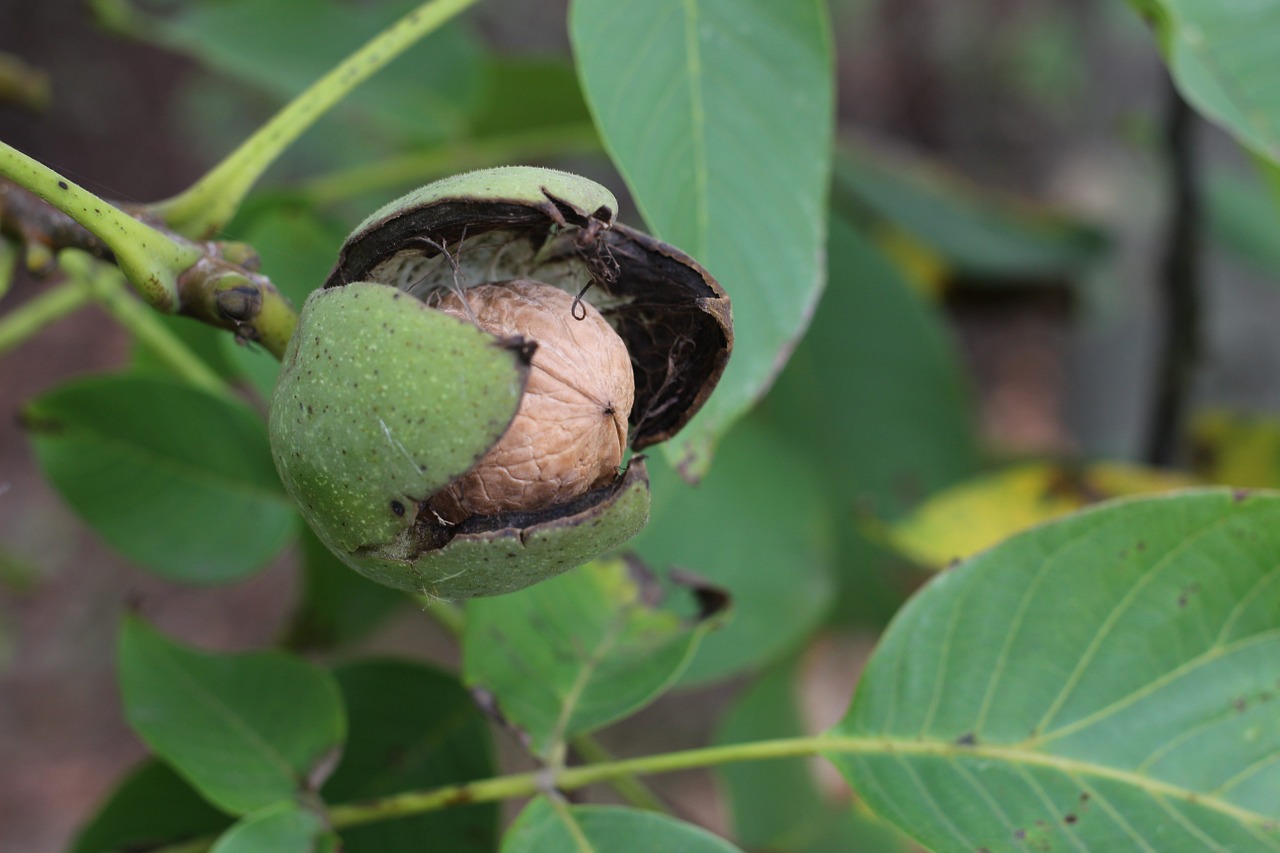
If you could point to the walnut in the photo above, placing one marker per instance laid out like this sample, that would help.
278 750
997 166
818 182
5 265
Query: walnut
470 442
570 432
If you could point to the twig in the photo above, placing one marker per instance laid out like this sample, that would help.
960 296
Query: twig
215 283
1179 284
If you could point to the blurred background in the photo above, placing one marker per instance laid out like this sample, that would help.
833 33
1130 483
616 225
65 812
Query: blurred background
1009 157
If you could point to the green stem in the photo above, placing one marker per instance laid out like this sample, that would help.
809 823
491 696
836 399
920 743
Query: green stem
419 166
207 205
454 619
631 787
571 778
150 259
30 317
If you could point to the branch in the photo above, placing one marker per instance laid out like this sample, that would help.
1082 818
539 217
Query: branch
151 260
1180 274
215 283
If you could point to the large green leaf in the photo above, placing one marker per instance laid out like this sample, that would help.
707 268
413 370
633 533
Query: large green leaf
758 527
247 730
1223 57
1105 682
152 806
543 827
718 113
411 727
172 477
574 653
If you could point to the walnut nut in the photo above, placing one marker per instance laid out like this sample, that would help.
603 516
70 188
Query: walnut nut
570 432
455 412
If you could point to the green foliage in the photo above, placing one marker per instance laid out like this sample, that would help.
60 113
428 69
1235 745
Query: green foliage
570 655
411 727
248 731
1105 680
151 806
773 553
719 118
336 607
163 471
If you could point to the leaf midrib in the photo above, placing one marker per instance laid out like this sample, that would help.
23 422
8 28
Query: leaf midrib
1017 756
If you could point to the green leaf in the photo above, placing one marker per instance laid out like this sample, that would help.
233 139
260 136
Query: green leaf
281 828
1105 682
757 526
152 806
247 730
411 727
1223 58
574 653
543 827
527 93
284 46
338 605
177 479
976 233
719 114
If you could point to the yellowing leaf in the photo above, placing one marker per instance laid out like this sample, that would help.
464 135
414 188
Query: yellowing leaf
972 516
1237 450
925 269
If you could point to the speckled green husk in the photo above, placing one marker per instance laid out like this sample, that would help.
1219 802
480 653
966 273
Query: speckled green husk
510 558
381 402
381 399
